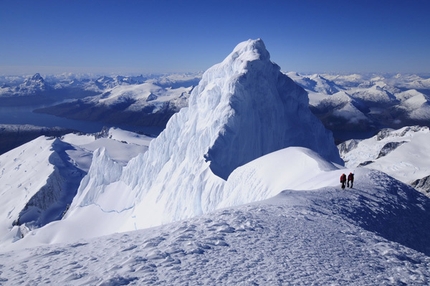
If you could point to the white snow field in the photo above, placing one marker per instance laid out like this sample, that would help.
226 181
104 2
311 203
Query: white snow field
374 234
241 188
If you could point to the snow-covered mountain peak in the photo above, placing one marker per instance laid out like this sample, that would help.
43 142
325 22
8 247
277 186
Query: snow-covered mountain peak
242 109
37 77
34 84
248 51
254 109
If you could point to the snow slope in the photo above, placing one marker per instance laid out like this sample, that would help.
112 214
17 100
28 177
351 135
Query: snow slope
321 237
40 179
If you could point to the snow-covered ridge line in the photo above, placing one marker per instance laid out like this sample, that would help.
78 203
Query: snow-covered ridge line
332 237
41 178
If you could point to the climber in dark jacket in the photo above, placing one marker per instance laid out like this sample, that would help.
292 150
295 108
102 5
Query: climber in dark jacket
343 180
350 179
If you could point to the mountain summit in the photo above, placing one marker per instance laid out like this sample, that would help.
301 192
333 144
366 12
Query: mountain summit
262 110
243 108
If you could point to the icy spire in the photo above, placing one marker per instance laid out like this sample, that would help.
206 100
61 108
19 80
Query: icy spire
243 108
262 110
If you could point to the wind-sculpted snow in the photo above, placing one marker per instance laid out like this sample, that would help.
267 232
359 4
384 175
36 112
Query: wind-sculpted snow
374 234
242 109
265 111
267 176
103 171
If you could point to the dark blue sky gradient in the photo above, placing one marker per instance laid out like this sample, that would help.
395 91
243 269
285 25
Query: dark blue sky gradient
132 36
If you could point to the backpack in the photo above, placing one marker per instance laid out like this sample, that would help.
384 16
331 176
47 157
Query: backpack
342 178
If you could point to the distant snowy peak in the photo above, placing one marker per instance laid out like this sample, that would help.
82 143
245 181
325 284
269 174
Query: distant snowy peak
31 86
343 106
104 82
412 81
37 78
316 83
357 106
375 94
415 104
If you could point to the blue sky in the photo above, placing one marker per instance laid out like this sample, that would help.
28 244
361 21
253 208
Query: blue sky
130 36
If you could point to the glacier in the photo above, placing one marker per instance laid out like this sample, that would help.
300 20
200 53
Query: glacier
242 109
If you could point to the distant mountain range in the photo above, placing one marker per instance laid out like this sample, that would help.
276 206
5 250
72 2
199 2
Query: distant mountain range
360 105
351 106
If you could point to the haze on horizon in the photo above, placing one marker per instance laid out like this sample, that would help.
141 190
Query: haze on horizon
113 36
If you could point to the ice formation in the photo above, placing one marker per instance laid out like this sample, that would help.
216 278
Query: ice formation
242 109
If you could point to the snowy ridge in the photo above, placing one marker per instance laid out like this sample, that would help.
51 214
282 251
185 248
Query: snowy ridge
39 182
326 236
316 83
41 178
252 182
13 200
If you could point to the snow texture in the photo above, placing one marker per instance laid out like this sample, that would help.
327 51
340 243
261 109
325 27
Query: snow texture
375 234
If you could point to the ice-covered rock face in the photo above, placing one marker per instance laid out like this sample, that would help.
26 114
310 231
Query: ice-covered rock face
243 108
254 110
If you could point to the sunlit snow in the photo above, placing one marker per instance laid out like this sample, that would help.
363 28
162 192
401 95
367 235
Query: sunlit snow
241 188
